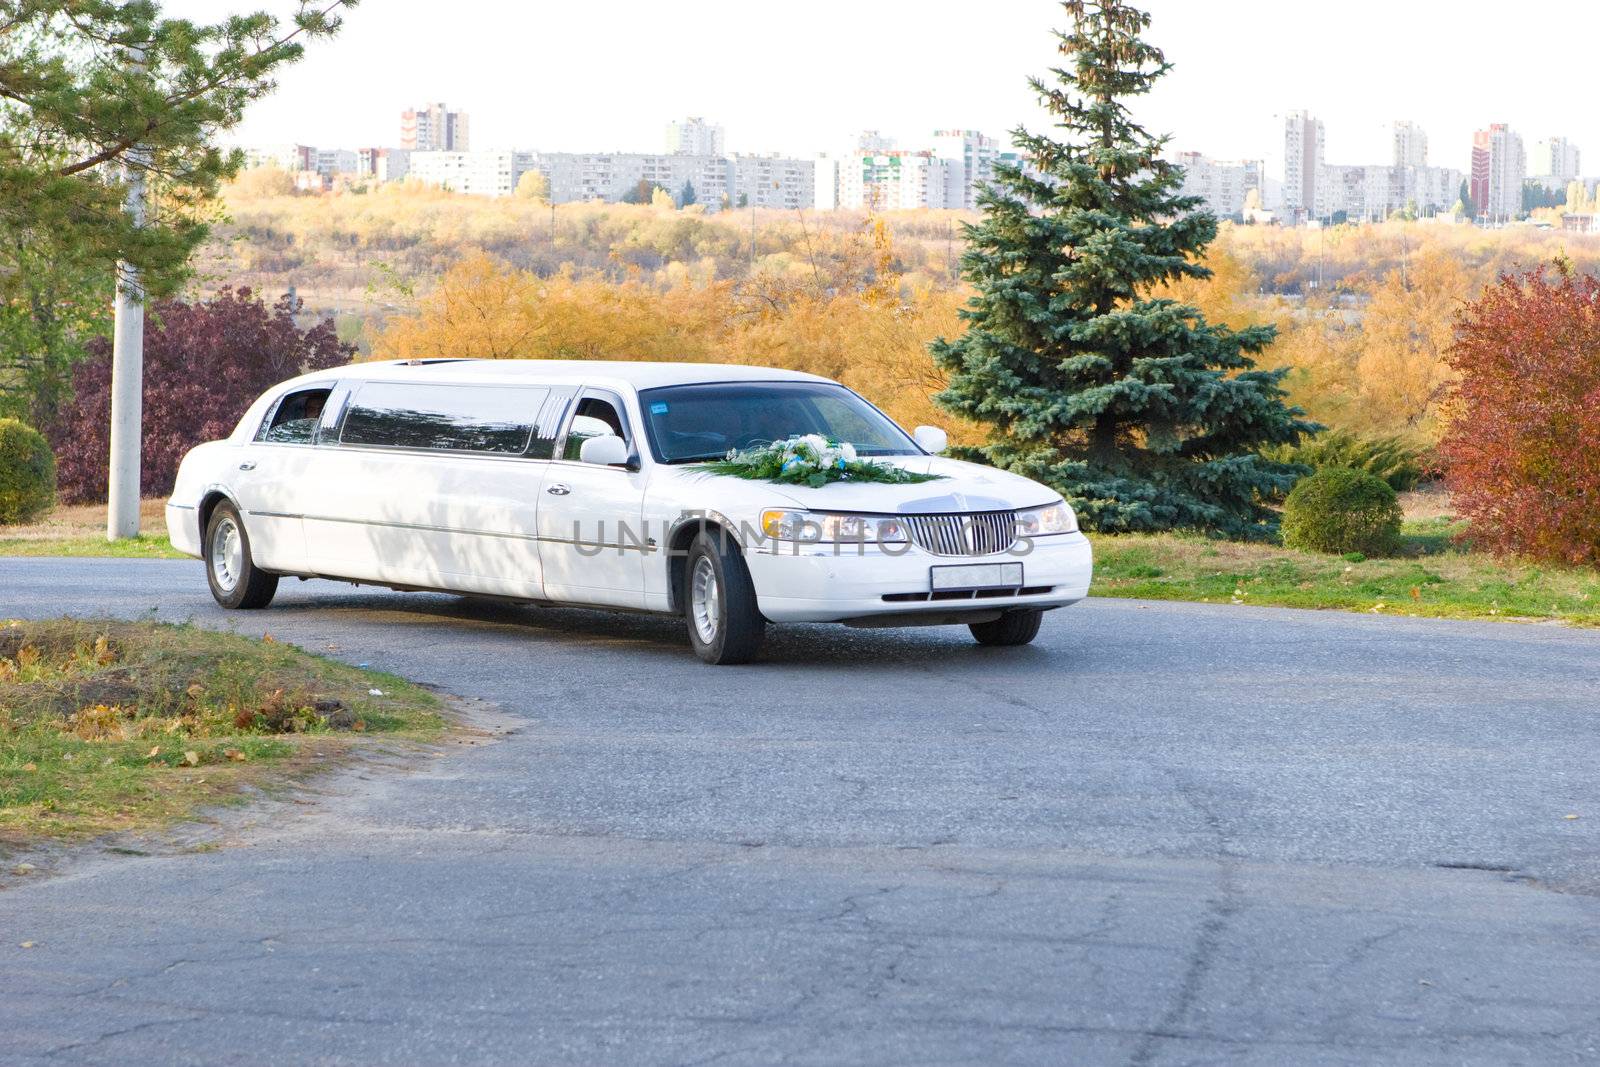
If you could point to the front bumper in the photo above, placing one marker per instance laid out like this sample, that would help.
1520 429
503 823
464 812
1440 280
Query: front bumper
828 583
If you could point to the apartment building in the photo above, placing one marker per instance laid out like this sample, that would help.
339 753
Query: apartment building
1499 167
1410 145
383 164
1304 149
1222 184
969 163
434 128
694 137
475 173
896 180
774 182
611 176
1556 158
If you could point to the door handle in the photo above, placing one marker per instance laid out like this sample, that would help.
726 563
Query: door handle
559 489
247 465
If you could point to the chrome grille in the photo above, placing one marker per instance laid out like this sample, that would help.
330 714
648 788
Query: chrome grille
978 533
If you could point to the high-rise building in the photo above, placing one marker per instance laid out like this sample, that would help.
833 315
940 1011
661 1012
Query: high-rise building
1556 157
434 128
969 157
1499 167
1304 147
694 137
1223 185
1410 145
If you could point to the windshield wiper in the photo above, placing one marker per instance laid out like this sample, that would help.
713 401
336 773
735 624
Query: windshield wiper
698 459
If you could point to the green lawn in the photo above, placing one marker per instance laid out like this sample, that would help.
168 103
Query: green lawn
1434 578
145 547
110 726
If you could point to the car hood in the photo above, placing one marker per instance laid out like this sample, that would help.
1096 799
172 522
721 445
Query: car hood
961 487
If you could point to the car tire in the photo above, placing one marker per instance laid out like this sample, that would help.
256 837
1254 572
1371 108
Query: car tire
235 580
1012 628
719 602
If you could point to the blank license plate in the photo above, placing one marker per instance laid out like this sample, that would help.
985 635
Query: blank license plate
977 576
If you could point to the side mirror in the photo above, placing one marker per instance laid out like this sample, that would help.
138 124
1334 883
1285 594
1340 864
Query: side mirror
931 439
605 450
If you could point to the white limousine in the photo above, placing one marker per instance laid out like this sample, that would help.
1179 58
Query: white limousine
582 483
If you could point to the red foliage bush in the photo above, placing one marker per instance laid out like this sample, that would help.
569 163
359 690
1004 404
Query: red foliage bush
204 364
1522 452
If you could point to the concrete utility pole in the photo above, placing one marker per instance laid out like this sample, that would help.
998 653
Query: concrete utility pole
127 365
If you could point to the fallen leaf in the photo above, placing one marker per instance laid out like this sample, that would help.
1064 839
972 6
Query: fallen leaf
1416 592
234 754
268 639
153 753
30 766
196 690
24 868
30 944
192 758
1569 816
359 725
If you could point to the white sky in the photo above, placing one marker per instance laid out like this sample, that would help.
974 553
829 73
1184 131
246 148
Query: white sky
799 78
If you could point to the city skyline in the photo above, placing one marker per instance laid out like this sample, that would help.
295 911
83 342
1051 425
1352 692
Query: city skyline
775 85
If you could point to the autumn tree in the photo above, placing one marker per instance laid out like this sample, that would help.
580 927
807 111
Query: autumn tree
533 185
1522 453
1141 412
205 363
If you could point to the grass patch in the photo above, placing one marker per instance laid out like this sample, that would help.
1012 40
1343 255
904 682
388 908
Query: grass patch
80 530
110 726
1435 577
144 547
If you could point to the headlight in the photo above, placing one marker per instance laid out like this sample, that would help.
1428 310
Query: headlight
820 527
1054 518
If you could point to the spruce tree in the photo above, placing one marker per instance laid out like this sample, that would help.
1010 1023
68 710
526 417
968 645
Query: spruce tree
1143 415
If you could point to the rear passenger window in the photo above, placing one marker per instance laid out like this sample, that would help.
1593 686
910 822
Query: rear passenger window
451 418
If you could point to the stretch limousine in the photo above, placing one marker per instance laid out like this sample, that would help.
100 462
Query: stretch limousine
584 483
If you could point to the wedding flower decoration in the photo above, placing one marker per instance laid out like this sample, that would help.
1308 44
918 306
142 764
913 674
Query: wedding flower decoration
811 460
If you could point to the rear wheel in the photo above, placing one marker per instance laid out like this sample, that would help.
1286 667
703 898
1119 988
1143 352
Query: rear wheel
235 580
725 625
1012 628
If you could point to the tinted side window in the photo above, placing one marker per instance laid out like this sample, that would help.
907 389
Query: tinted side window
294 421
594 418
453 418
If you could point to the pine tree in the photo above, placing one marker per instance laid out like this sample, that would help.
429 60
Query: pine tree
1143 415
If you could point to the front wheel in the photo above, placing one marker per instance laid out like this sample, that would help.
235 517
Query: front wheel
1012 628
235 580
725 624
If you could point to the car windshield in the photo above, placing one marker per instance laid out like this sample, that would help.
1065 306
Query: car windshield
690 423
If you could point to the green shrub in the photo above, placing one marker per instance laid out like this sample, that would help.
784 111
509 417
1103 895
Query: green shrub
1391 458
27 473
1341 510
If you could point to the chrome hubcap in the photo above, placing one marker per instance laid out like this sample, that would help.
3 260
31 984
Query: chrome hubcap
227 555
705 600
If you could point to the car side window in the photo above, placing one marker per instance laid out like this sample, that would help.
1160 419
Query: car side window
294 420
594 417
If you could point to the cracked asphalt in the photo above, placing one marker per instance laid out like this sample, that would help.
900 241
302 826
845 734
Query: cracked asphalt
1163 834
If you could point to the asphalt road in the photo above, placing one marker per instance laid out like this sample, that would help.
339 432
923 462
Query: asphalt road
1162 834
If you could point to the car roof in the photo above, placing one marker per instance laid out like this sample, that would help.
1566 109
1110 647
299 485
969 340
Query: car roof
599 372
